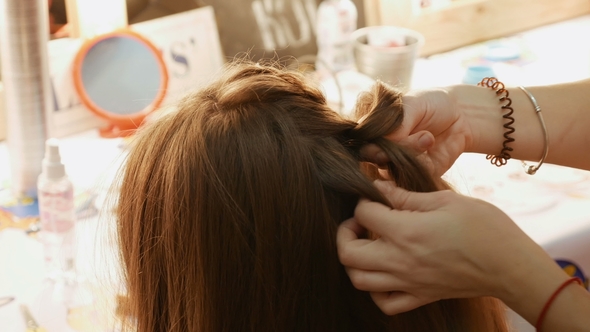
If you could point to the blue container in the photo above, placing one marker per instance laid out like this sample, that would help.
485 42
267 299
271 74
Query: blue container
476 73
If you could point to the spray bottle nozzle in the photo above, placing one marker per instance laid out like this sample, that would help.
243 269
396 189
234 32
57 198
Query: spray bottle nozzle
52 165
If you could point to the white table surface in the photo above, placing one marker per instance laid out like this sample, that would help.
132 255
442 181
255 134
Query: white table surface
91 163
553 207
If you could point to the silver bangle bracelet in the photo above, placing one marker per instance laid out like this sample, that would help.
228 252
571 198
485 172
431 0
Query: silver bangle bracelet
532 169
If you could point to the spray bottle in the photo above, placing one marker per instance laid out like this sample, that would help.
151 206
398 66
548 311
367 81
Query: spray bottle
336 21
56 210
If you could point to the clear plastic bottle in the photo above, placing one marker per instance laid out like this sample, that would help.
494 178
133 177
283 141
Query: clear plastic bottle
336 21
56 211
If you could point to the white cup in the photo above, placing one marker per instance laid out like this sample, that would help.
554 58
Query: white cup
387 53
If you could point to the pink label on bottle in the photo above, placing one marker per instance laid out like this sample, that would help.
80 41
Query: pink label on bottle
56 211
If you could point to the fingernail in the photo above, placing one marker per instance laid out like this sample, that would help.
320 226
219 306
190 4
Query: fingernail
425 141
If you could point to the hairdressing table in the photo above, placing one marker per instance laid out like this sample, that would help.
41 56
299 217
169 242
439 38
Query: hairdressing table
553 206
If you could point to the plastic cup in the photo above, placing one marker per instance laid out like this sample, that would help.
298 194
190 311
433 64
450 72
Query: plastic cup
385 58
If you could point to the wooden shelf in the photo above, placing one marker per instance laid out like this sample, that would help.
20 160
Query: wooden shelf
465 22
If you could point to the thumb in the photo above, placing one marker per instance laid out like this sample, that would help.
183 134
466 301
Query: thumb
402 199
419 142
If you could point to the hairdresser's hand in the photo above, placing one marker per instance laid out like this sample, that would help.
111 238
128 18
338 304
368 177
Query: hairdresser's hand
433 127
441 124
442 245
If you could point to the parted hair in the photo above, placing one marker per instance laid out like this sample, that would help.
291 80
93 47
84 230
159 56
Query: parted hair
229 206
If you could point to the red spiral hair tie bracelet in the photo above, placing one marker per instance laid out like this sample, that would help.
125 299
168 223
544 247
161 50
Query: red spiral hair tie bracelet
552 298
502 158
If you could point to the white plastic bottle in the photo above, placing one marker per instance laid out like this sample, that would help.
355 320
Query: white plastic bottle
56 210
336 21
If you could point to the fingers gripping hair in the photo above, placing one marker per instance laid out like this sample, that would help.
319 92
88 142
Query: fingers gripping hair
336 150
380 112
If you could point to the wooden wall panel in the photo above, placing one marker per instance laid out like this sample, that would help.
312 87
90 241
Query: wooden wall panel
469 21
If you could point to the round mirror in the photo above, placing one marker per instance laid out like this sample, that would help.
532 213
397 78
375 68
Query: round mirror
121 77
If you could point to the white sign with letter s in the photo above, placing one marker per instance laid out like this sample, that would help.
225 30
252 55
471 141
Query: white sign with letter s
188 42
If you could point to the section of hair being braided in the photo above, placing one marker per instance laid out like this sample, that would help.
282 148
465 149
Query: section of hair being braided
380 112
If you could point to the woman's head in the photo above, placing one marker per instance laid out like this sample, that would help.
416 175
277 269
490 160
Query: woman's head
230 204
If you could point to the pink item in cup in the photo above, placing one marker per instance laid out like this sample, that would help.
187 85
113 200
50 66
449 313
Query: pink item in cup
384 38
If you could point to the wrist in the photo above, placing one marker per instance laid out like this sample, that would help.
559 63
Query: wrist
527 286
567 310
481 109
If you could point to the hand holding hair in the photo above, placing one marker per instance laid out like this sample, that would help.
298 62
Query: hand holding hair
433 126
444 245
424 247
465 118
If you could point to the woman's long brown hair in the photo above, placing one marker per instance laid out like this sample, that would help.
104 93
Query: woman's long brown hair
229 207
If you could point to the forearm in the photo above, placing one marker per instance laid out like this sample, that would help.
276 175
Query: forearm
569 311
565 109
528 282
